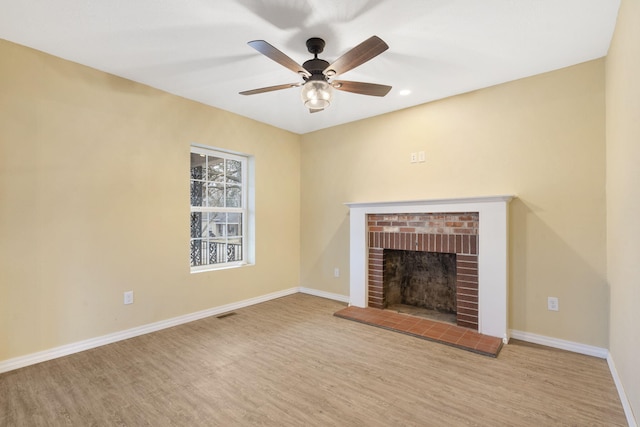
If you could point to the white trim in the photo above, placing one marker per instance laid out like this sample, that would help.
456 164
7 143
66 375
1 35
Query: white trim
220 266
243 159
575 347
626 405
65 350
482 199
323 294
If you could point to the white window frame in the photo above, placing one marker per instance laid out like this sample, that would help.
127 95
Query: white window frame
244 210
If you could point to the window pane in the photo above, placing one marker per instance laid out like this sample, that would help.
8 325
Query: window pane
215 195
234 250
196 220
234 224
234 196
217 222
198 189
215 169
198 248
197 166
207 225
215 251
234 171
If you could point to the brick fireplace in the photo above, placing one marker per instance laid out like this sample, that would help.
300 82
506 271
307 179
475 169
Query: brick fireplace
480 246
451 233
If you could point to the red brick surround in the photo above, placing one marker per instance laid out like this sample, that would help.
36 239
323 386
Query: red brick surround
455 233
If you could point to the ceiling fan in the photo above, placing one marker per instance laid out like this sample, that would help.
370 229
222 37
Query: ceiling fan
317 74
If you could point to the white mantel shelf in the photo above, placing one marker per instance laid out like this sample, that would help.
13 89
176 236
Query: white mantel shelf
492 254
483 199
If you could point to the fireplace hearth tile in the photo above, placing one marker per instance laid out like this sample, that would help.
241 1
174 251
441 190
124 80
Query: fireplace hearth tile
431 330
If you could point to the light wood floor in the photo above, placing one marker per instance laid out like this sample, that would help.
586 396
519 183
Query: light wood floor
290 362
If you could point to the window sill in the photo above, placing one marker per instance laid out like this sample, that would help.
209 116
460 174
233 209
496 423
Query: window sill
207 268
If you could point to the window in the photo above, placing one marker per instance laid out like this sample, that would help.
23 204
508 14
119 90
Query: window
218 209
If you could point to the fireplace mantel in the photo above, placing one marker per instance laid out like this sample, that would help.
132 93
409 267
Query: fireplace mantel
492 244
429 202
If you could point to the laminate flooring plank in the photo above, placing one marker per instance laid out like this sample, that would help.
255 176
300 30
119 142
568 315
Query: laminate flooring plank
290 362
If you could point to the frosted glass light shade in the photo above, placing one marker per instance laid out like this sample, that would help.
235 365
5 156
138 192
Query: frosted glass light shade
316 94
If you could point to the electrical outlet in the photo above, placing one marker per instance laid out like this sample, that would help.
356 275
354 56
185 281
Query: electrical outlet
128 297
336 272
552 303
414 157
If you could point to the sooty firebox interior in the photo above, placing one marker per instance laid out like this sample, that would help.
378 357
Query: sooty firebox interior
421 283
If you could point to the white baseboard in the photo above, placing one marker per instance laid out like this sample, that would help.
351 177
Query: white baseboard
323 294
626 405
589 350
65 350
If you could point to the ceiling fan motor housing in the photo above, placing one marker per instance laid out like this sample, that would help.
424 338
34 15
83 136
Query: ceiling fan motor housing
315 66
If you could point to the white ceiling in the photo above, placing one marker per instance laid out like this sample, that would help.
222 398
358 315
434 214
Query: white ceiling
197 48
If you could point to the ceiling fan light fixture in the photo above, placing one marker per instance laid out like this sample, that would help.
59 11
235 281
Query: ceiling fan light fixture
316 94
317 91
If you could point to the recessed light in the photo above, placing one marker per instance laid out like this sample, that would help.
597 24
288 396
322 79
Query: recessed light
404 92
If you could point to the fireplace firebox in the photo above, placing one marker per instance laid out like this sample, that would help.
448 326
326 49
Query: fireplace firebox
439 234
420 283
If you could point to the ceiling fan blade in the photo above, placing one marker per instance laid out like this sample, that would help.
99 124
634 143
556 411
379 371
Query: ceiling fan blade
371 89
269 89
315 110
360 54
271 52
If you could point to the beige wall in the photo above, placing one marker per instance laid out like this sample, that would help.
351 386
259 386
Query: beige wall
94 201
540 138
94 198
623 197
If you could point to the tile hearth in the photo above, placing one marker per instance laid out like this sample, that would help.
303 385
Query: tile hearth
444 333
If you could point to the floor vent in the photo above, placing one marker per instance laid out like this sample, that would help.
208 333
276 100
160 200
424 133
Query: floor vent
222 316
